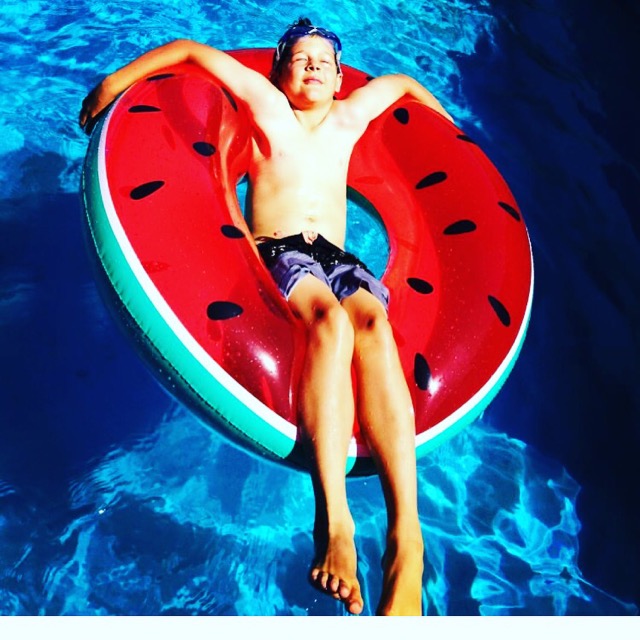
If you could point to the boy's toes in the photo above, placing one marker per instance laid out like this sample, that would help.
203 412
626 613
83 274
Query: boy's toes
334 585
320 579
353 601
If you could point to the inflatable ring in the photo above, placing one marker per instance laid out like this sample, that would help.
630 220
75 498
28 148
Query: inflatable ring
159 187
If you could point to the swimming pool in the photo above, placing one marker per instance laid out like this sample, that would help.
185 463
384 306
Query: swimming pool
115 500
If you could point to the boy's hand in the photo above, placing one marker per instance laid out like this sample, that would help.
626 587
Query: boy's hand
98 99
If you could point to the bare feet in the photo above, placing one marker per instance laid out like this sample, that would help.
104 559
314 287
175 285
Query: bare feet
402 581
334 573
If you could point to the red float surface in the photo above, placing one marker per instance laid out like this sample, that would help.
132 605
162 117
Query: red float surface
459 272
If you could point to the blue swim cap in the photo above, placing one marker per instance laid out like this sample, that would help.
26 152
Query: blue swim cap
297 31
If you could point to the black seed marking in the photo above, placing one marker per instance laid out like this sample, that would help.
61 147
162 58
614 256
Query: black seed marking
230 98
466 138
510 210
401 115
229 231
462 226
146 189
143 108
160 76
420 285
421 372
433 178
204 148
370 78
501 312
223 310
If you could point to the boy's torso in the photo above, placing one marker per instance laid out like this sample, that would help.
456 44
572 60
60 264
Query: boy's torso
298 176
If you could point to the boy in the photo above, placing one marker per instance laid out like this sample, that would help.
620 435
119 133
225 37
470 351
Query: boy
302 143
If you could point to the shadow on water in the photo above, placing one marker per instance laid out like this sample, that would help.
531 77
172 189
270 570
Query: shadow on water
97 511
71 388
564 100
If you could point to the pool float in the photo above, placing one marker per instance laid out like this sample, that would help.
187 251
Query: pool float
180 267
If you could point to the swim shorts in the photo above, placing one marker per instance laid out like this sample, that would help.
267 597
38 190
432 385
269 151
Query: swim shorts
290 259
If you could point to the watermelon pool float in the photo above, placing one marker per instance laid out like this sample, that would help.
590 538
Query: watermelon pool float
181 269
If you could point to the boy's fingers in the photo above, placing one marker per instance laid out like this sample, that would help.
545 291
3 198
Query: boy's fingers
85 111
84 120
88 125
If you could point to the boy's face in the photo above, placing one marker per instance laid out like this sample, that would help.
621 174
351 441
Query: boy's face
309 75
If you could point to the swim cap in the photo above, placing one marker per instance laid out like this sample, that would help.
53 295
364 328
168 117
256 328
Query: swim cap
297 31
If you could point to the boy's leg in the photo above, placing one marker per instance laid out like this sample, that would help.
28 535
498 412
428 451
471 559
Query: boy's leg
326 411
386 417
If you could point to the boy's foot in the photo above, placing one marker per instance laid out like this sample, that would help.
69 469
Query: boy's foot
335 573
402 581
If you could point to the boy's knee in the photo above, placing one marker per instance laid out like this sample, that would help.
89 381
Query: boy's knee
374 324
331 319
372 319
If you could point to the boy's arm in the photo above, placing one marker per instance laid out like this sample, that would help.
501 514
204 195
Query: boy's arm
368 102
245 84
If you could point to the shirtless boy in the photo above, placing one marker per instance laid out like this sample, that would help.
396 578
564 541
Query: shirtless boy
302 143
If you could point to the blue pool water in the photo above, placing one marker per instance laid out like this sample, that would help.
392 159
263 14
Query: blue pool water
114 499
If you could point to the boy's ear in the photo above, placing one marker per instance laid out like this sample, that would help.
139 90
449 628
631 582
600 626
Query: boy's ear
338 82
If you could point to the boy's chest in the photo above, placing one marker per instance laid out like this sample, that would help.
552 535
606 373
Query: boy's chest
299 149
